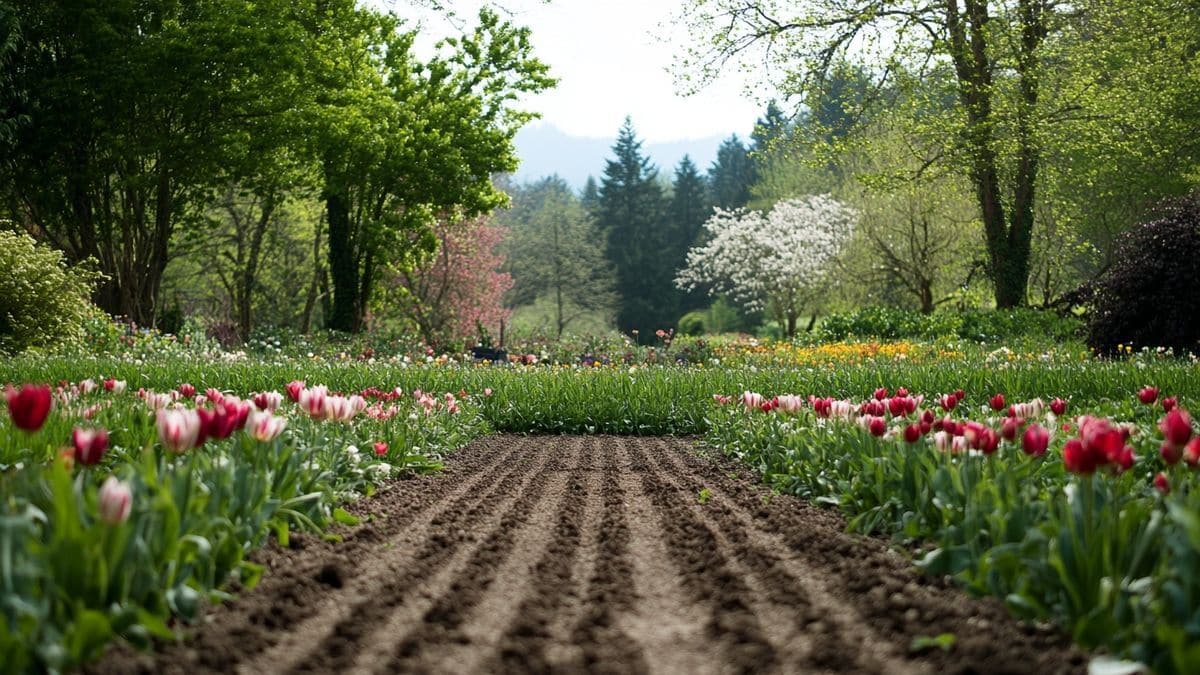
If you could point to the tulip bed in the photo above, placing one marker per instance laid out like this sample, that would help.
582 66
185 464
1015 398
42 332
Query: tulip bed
139 496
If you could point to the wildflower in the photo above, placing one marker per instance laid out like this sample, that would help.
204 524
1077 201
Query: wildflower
89 445
115 501
1035 440
28 406
263 426
180 430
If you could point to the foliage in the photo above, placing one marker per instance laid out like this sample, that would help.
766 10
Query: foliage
43 302
775 261
997 326
1145 298
731 174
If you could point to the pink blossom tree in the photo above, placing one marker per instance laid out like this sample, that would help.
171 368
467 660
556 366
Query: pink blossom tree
460 285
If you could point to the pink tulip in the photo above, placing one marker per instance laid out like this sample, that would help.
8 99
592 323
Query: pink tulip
264 427
312 400
187 390
268 400
179 430
752 400
294 388
115 501
942 440
487 391
89 445
114 386
381 449
790 403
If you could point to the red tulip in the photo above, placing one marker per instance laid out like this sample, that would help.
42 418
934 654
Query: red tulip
1191 454
881 393
381 448
1148 395
89 445
948 401
997 402
28 406
877 426
1171 454
1009 428
960 394
186 390
1169 403
897 406
1035 440
1125 459
912 433
1161 483
1176 427
294 388
902 392
1058 406
1077 459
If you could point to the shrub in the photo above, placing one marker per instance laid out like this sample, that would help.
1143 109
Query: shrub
42 301
976 325
1148 297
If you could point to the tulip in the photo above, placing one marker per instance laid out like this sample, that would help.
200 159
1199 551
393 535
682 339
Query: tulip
1035 440
1191 454
881 393
1161 483
186 390
912 433
1148 395
487 391
1078 459
264 427
902 392
948 402
1176 427
1125 459
941 441
789 403
89 445
87 386
752 400
28 406
114 386
997 402
179 430
877 426
1169 403
268 400
381 449
115 501
311 400
960 394
841 409
294 388
1170 453
1058 406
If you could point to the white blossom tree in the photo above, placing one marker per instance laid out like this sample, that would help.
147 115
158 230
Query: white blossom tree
776 261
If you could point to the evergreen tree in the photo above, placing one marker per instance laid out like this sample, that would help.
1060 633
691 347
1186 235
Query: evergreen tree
631 212
590 197
689 209
772 127
731 176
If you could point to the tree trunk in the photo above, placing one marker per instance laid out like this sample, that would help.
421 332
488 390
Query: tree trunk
343 264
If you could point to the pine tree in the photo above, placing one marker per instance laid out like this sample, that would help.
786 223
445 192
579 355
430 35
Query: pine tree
731 176
688 210
631 213
590 197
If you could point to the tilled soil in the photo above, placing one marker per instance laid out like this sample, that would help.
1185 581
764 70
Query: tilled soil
598 554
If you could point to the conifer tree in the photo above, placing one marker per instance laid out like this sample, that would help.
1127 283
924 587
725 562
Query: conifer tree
731 175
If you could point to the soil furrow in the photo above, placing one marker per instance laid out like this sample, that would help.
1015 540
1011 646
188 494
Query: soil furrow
598 554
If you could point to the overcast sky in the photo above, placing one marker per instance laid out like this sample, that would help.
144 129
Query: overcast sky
611 62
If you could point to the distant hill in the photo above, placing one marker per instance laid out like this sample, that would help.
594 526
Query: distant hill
544 150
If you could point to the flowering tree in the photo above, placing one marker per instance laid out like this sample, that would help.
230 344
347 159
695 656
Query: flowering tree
460 284
774 261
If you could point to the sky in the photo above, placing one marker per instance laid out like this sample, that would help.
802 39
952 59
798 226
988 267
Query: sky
611 58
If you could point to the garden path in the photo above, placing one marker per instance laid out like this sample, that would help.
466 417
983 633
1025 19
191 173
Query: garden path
598 554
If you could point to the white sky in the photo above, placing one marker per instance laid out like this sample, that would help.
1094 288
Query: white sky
611 59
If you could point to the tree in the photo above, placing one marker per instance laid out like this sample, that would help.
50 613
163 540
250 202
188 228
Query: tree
127 113
731 175
556 254
631 215
775 261
461 287
427 143
997 53
686 213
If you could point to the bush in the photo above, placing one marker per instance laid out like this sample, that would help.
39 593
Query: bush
979 326
42 301
1149 297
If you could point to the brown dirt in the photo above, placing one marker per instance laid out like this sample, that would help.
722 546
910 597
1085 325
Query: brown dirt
574 554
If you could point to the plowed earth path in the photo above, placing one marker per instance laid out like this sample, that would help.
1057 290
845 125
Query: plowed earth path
597 554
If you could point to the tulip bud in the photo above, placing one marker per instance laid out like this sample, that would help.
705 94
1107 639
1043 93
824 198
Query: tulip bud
912 433
294 388
1169 403
28 406
877 426
1148 395
1176 427
997 402
89 445
115 501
